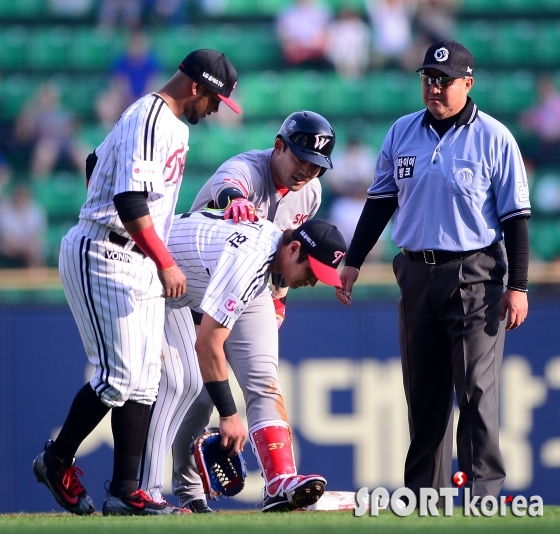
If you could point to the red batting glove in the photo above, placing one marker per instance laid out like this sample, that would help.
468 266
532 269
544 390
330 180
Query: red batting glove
280 307
241 209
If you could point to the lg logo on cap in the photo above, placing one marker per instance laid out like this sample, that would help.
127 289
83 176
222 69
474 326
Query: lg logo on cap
441 54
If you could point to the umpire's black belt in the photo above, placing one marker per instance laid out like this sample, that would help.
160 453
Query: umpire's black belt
122 241
437 257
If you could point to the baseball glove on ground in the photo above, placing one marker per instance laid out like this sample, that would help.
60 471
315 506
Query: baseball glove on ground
221 475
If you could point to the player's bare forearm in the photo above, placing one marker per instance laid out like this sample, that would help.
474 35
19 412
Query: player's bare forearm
210 349
348 277
514 308
233 434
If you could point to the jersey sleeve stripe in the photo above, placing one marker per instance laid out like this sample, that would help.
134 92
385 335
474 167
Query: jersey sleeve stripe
149 131
383 195
152 143
525 212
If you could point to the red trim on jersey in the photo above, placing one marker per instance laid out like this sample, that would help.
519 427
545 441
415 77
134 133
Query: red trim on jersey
282 190
153 247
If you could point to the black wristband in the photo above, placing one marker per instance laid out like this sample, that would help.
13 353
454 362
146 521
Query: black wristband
227 195
513 288
221 396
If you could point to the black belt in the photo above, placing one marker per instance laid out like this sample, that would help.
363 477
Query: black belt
122 241
436 257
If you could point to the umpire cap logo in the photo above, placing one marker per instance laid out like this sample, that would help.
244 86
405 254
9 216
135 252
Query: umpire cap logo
441 54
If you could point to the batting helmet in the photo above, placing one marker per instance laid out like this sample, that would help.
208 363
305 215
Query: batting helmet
310 137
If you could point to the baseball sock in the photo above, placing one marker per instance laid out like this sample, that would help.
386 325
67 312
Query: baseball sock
130 428
85 414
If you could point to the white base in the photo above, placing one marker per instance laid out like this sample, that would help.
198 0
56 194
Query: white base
336 500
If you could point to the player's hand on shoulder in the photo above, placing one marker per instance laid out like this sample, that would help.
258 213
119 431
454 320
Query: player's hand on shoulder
173 281
241 209
348 277
233 434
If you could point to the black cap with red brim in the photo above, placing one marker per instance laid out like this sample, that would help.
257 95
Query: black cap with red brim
325 247
213 71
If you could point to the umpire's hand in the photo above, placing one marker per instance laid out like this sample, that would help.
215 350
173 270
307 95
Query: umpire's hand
515 307
348 277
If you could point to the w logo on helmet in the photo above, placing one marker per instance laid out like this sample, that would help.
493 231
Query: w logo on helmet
321 141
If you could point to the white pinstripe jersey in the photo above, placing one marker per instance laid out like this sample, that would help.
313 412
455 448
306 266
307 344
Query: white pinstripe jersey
226 264
250 172
145 151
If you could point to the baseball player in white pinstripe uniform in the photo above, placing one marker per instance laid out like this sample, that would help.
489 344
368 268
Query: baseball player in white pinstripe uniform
114 264
227 266
280 183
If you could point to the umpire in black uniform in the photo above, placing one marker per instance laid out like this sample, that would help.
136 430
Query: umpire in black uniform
455 180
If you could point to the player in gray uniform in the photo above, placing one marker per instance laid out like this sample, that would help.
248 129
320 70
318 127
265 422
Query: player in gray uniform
280 182
114 264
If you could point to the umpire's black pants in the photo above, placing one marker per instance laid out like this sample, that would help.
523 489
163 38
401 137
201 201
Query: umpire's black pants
450 336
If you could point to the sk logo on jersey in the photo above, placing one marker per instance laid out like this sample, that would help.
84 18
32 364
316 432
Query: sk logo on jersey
300 218
405 167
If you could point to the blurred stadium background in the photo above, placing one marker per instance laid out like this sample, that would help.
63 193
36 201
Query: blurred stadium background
513 41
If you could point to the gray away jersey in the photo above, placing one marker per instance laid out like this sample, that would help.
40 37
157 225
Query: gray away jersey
226 264
145 151
250 172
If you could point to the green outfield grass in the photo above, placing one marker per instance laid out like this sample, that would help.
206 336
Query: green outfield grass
296 523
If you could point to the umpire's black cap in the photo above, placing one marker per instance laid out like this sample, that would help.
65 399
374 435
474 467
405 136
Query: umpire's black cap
449 57
214 71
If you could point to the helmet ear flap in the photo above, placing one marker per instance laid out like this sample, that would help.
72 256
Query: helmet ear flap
322 171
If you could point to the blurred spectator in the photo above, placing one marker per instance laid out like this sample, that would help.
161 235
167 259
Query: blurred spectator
348 43
133 74
23 225
166 11
115 13
352 171
434 21
546 194
5 173
70 8
49 130
347 185
302 32
544 121
391 21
